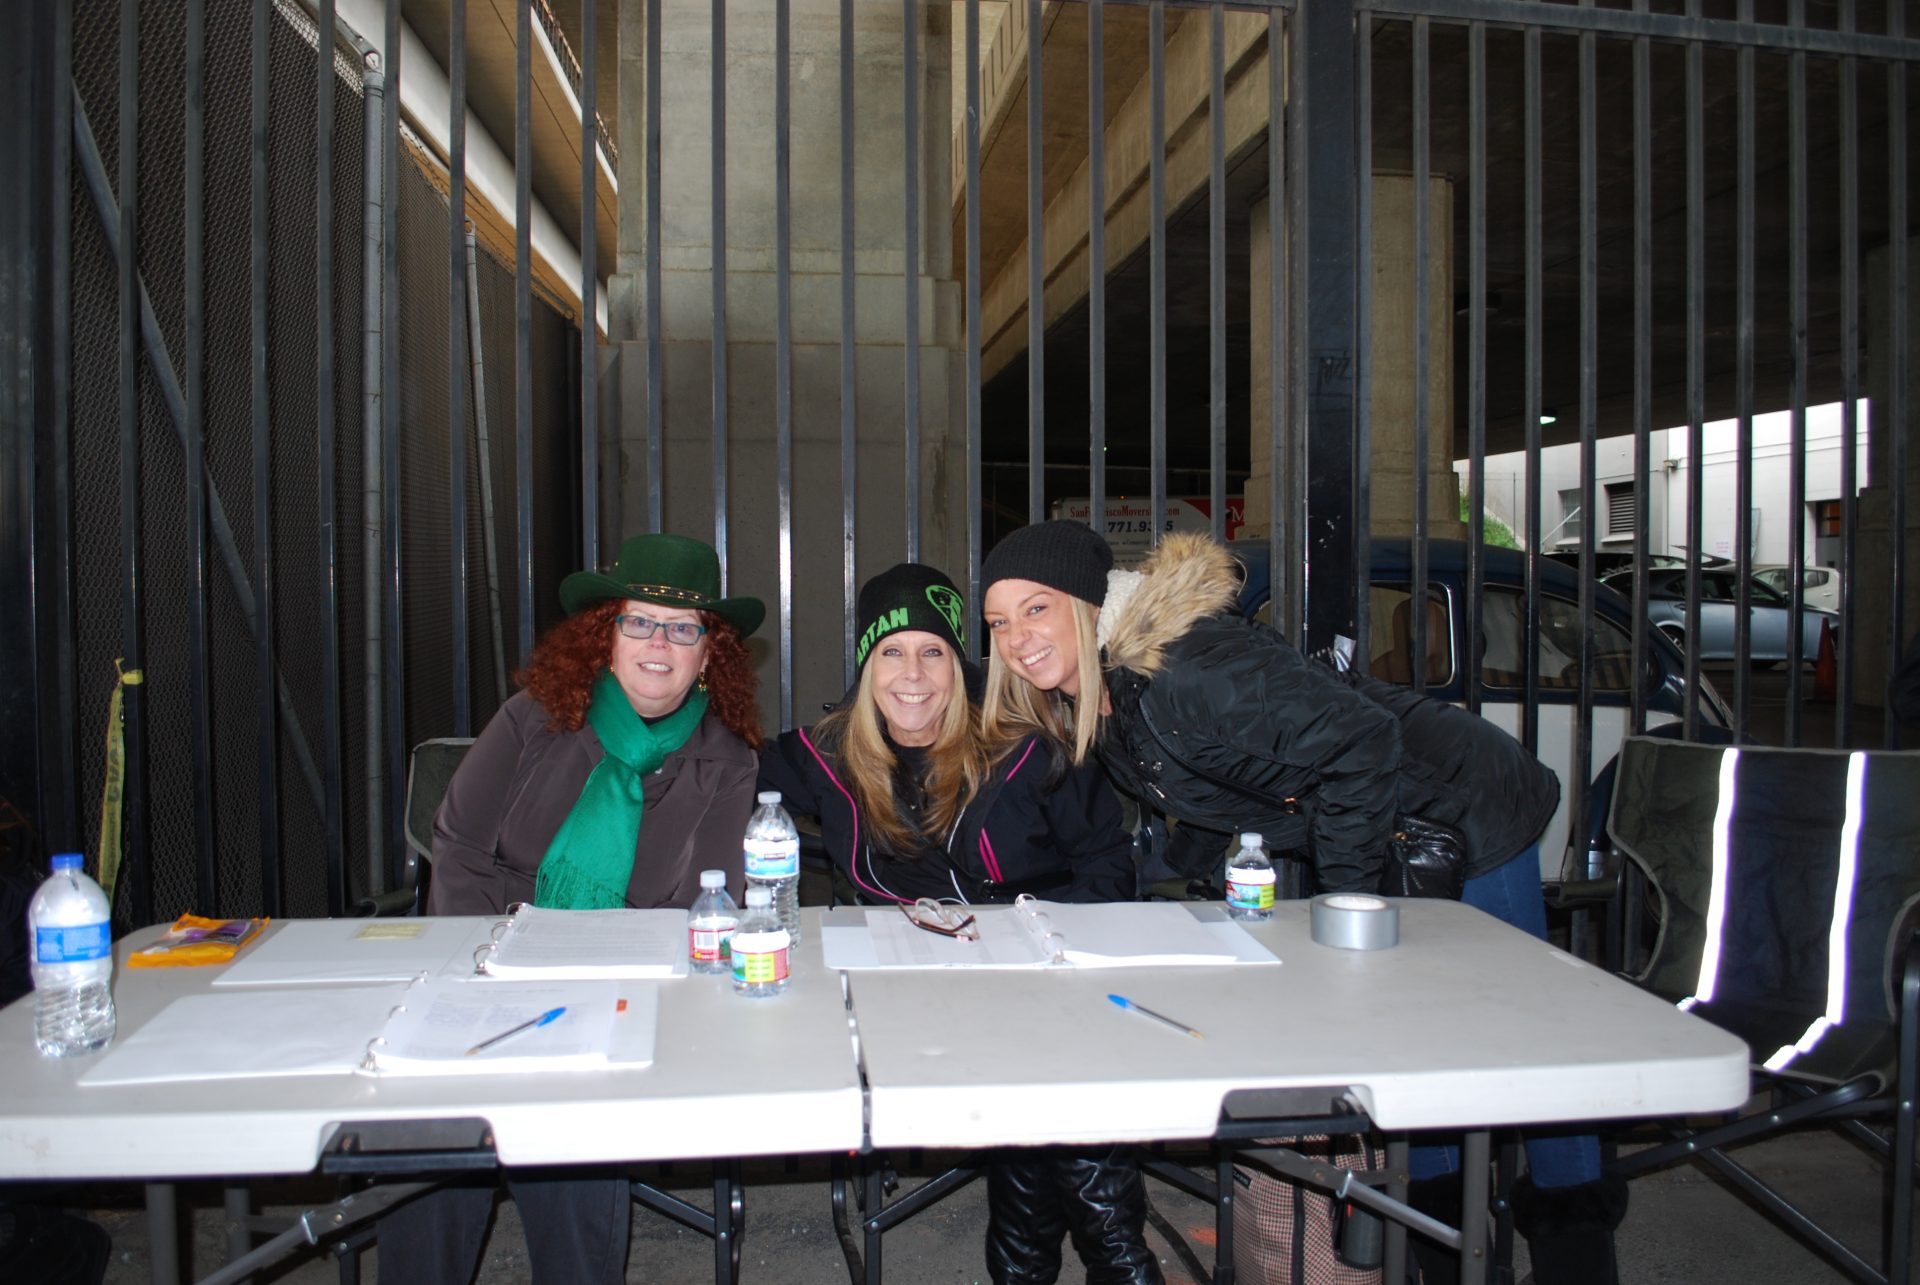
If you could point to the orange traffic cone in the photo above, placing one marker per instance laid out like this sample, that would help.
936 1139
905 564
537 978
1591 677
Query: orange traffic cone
1825 671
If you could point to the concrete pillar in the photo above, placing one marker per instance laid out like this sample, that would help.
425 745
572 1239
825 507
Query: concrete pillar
1874 568
686 320
1393 375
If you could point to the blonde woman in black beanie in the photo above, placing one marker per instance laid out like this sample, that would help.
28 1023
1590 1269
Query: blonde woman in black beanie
914 804
1218 721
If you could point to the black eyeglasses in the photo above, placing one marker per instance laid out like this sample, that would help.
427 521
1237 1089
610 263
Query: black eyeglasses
684 632
948 921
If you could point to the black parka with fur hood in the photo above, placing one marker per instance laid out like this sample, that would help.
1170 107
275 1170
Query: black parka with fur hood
1220 722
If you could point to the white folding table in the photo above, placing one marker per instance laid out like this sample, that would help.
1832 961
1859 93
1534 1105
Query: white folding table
1467 1025
731 1078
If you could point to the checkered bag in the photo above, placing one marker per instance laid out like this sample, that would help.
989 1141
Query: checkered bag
1284 1234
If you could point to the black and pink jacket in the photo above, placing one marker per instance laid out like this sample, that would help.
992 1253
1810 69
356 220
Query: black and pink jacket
1017 835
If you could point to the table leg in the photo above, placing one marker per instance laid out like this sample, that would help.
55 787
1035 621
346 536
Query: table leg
1395 1266
163 1233
729 1222
1475 1165
238 1208
1223 1216
875 1181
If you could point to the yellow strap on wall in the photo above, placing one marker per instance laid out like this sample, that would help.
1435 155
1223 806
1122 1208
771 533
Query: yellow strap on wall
114 786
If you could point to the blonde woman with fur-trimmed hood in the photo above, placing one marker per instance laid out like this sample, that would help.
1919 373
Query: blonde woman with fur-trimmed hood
1219 722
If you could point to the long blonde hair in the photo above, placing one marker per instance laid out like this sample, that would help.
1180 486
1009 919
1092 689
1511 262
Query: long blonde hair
956 763
1014 707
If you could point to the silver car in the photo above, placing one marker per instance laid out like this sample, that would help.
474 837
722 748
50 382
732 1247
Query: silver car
1768 616
1819 586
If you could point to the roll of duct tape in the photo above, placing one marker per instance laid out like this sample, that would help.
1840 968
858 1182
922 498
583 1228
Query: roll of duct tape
1354 921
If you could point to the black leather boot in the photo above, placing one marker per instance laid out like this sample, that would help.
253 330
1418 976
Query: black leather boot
1569 1230
1436 1198
1104 1199
1024 1222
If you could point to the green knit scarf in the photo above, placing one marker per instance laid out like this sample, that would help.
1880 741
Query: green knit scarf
590 861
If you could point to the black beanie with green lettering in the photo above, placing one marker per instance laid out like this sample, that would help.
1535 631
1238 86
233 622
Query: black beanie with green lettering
908 596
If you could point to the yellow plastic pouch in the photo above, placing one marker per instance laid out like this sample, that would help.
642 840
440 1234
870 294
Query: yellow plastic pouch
197 940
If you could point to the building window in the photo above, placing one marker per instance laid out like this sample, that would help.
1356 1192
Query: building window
1570 517
1826 517
1622 503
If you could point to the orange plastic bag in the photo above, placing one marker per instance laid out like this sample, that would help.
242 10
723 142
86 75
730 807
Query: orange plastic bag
196 940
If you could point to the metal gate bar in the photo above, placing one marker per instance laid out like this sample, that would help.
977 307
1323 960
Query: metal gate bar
1422 429
1642 364
392 568
1216 276
972 161
194 379
523 323
590 292
132 582
330 736
910 265
1530 649
1096 271
1476 354
1036 277
457 363
1897 392
1848 144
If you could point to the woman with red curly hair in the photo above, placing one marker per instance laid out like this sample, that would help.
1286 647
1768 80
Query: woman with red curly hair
625 766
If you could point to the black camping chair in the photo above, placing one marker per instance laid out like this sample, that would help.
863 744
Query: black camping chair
1788 883
429 770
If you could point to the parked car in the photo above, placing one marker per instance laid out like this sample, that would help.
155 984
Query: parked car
1608 561
1501 679
1819 586
1769 614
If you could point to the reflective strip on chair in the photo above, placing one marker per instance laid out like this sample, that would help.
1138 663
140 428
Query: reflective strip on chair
1842 916
1717 896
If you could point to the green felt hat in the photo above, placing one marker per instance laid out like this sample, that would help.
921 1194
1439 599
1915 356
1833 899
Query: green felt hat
672 570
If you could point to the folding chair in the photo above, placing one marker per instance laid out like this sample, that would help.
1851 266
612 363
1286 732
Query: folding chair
429 769
1788 883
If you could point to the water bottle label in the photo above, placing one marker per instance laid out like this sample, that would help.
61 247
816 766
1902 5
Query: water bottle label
707 943
1252 893
773 858
760 958
72 945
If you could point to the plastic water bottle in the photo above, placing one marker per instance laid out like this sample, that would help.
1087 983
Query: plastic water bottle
72 962
710 924
1250 881
773 860
760 947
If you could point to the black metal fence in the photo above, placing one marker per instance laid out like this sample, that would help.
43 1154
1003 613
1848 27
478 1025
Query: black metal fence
1657 215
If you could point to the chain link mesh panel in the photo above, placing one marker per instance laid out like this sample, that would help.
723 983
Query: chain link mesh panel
300 579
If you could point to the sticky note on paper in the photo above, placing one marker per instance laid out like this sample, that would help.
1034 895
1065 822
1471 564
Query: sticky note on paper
393 930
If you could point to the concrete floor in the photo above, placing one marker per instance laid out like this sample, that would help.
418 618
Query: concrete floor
1684 1226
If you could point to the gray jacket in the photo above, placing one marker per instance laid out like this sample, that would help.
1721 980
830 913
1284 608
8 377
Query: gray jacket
521 779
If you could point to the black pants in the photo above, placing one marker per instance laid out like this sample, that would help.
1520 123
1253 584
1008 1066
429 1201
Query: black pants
1098 1197
576 1219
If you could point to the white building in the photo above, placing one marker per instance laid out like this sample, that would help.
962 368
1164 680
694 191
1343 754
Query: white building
1616 495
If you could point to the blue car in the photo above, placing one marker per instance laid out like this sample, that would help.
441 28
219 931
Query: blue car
1501 679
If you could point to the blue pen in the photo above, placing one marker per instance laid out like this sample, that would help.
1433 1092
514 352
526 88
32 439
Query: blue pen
531 1024
1162 1018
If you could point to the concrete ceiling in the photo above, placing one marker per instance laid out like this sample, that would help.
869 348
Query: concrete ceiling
1128 328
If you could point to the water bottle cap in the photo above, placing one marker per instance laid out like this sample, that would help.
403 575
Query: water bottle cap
759 896
713 878
68 861
769 796
1251 840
